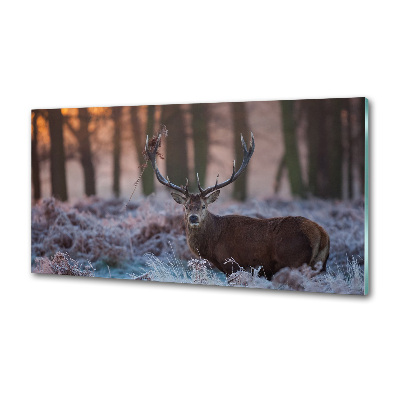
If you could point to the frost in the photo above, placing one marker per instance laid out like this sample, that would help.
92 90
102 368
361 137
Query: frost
146 240
62 264
174 270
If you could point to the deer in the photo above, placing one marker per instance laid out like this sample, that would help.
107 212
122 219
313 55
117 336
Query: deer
230 241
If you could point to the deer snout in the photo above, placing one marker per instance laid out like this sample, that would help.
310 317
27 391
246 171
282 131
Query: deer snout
194 219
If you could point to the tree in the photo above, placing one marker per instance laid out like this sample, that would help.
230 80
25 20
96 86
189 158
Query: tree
240 126
116 116
82 135
360 138
317 147
200 139
57 156
139 140
349 127
148 175
334 143
34 158
291 157
176 155
329 147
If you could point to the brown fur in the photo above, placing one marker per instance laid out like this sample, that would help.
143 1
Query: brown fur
273 243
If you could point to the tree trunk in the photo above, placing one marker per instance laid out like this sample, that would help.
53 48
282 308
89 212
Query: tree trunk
148 174
335 158
176 155
57 156
352 128
292 160
361 141
200 139
317 147
139 138
240 126
35 159
116 116
83 137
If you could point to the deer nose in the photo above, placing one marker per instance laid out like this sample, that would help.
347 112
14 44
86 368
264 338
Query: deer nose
194 219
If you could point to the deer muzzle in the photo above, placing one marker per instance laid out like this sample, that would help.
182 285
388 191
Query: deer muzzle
194 220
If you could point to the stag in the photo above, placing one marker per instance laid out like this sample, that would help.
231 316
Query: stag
233 240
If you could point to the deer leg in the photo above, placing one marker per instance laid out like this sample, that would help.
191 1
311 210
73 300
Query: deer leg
269 272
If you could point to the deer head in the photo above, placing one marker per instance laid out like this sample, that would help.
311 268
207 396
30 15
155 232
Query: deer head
196 204
195 207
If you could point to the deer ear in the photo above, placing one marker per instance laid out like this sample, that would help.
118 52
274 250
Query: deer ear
178 198
212 197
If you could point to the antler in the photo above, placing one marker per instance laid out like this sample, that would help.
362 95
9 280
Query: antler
246 158
152 157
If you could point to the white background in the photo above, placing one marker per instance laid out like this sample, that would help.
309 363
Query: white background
96 339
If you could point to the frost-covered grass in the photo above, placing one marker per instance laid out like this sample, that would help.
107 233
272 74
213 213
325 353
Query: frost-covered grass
62 264
147 241
346 279
171 269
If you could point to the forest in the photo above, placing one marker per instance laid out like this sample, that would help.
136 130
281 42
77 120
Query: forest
98 210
